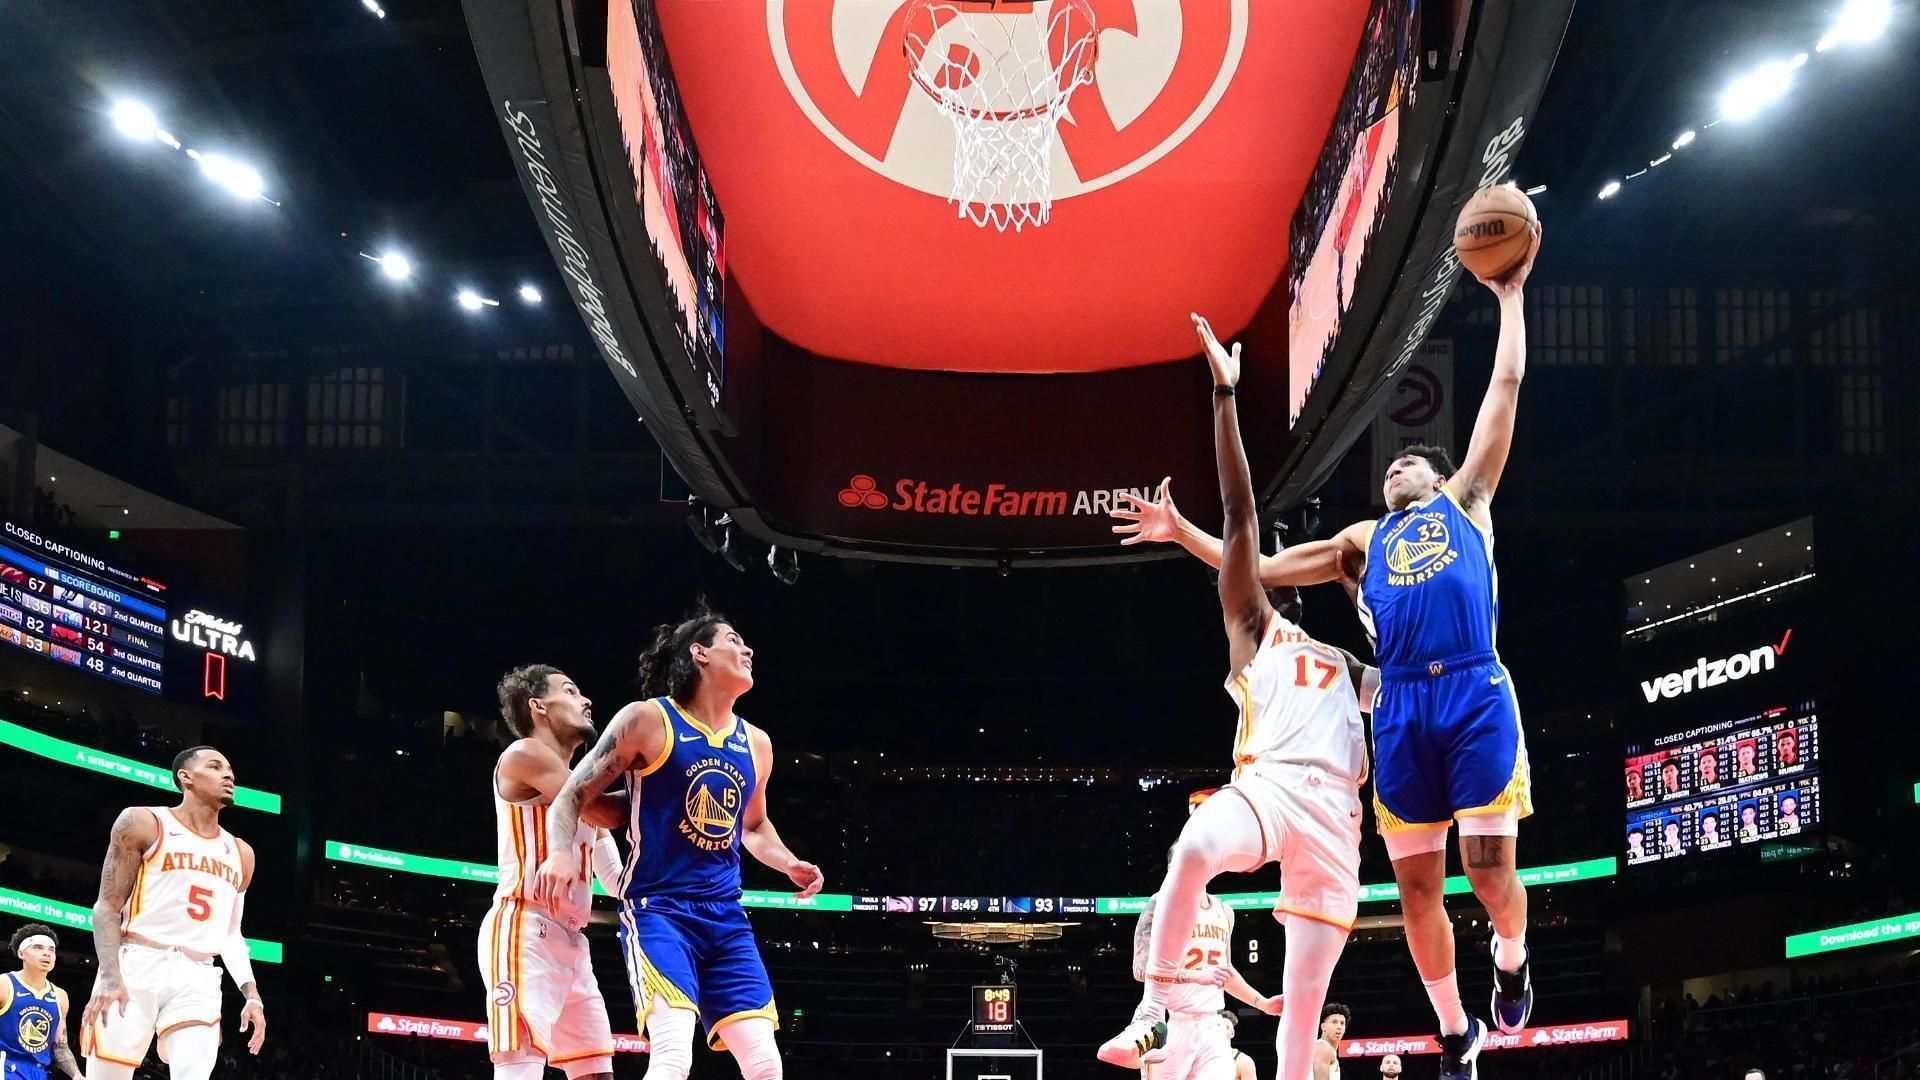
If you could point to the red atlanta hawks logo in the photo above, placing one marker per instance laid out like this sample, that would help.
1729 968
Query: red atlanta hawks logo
1162 67
504 993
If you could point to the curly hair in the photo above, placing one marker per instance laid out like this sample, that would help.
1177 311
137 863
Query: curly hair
666 666
30 930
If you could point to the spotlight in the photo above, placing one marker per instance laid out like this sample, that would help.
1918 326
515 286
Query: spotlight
237 177
134 120
1685 139
1612 189
1860 22
784 564
1763 86
473 301
373 7
730 545
530 295
704 526
1537 189
395 265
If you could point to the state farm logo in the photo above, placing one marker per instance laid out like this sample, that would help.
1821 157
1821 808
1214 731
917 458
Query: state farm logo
1705 672
989 500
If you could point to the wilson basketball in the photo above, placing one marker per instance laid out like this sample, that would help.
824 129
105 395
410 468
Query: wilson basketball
1494 231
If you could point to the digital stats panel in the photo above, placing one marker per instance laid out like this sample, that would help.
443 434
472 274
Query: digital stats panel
1721 712
80 611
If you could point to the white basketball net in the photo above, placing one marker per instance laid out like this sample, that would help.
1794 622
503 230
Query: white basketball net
1003 74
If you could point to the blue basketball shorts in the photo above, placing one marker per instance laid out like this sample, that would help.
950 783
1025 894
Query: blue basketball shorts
697 955
1447 744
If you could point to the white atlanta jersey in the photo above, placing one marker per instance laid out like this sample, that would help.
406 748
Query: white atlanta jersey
521 841
1298 706
185 892
1209 945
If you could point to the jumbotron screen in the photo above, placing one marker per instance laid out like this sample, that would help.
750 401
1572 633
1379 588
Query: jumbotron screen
1726 785
78 610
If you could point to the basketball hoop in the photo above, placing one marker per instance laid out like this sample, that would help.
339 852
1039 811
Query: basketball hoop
1003 73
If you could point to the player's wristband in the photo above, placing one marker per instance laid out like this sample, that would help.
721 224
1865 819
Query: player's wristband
1223 391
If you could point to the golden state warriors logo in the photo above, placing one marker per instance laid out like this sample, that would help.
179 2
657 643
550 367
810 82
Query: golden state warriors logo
36 1029
715 792
1418 548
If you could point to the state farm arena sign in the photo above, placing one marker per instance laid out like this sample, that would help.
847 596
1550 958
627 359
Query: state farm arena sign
1600 1031
465 1031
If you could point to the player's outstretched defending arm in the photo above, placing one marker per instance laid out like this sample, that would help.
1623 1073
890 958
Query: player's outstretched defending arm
527 766
636 734
135 831
757 833
1243 603
1341 558
1479 473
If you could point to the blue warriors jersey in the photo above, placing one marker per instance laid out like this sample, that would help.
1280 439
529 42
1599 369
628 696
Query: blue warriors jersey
684 825
1430 593
28 1025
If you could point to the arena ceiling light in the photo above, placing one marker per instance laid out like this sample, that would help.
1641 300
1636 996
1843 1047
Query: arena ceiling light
1612 189
373 8
473 301
1765 85
1860 22
238 177
530 295
393 264
1685 139
134 120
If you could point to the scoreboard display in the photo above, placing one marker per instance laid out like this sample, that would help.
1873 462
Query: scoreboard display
977 905
1737 783
72 609
996 1009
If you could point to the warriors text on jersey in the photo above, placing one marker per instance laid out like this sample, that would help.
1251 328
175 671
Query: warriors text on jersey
29 1023
521 843
686 810
1430 593
184 894
1298 705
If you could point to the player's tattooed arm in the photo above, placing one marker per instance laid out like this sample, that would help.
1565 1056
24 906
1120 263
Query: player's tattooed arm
134 832
63 1058
636 734
1142 940
527 770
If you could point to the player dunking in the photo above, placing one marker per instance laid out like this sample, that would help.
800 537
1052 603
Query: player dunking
1199 1042
1446 724
33 1011
543 1005
1299 760
171 894
697 790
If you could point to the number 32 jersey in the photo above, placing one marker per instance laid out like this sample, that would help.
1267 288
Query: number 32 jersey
188 884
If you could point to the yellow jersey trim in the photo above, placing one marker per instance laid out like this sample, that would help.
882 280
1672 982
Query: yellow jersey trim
714 738
666 748
714 1041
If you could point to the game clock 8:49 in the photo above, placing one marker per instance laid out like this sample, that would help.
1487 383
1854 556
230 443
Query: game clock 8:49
995 1008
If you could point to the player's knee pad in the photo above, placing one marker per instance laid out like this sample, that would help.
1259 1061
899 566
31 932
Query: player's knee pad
670 1043
190 1052
753 1047
108 1070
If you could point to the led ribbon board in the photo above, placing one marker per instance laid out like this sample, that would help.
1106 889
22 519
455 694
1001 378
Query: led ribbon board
73 916
99 761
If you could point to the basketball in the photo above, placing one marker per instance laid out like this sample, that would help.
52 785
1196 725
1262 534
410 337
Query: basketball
1493 233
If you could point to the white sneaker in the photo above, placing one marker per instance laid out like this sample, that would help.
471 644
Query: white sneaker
1142 1041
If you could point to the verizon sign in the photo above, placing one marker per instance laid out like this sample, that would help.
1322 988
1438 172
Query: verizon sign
465 1031
1707 673
1600 1031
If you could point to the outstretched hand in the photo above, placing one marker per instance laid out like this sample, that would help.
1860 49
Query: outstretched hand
1156 522
1515 279
1225 363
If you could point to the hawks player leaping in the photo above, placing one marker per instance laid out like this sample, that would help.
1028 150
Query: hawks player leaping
1446 725
1300 757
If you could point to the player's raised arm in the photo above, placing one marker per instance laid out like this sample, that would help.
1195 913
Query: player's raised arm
135 832
1341 558
1243 603
1486 459
528 766
757 833
636 734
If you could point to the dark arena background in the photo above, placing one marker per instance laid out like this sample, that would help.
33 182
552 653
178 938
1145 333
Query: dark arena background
356 351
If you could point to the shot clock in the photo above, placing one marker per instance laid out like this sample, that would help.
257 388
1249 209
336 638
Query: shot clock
996 1009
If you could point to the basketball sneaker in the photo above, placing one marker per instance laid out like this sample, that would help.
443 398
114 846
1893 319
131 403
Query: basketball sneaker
1459 1053
1513 996
1136 1044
